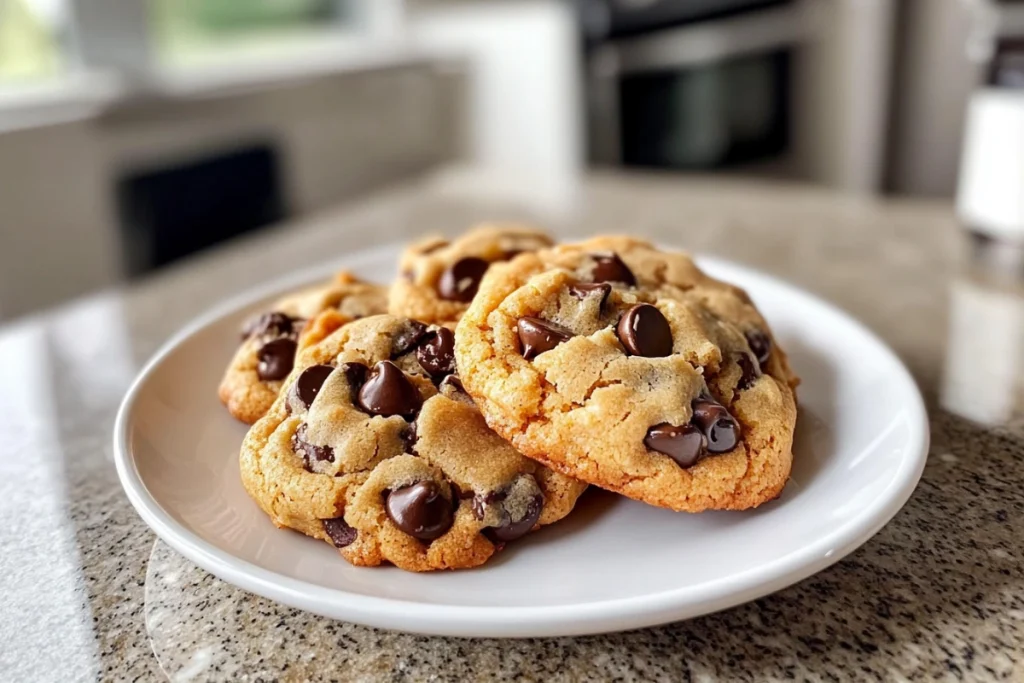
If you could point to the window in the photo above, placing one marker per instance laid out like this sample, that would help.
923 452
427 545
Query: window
31 37
62 59
189 32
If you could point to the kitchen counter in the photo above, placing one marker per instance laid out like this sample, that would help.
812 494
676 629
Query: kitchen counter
937 594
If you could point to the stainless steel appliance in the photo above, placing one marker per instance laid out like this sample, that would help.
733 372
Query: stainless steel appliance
690 84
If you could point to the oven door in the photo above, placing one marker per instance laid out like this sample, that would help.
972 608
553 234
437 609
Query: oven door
705 96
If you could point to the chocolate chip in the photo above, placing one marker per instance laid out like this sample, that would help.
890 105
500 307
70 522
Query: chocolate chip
411 335
510 530
461 280
482 500
307 386
644 331
409 437
388 392
760 344
458 495
684 444
340 532
581 290
719 427
507 529
420 510
310 452
355 373
276 359
750 371
610 268
437 353
538 336
268 323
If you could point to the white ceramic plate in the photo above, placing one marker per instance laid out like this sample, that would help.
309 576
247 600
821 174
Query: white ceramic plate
615 564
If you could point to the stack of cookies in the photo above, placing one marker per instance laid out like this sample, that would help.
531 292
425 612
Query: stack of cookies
429 423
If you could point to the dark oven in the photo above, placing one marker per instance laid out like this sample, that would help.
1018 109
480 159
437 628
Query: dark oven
689 84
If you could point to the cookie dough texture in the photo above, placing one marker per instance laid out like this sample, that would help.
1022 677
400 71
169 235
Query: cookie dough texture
248 397
420 292
585 406
330 469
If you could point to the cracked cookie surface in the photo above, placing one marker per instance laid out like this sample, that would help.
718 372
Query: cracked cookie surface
629 368
374 446
270 341
438 278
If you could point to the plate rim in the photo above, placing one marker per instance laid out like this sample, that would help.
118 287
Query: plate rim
618 614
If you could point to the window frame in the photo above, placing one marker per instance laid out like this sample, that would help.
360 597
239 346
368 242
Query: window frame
111 57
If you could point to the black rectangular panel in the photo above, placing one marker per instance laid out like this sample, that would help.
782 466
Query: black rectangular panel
169 213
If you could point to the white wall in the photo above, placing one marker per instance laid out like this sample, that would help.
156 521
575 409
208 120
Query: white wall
524 122
56 239
337 135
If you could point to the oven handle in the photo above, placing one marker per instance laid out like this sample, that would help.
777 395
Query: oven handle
713 41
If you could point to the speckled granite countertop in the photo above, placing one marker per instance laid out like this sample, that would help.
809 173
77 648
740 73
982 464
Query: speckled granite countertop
937 594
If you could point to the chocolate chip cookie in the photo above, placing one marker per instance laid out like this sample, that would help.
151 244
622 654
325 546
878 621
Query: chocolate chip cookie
271 340
437 278
629 368
374 446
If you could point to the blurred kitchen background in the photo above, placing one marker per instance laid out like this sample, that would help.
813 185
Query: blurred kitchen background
134 133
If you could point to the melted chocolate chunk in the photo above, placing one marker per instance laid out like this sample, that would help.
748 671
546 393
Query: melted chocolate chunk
685 444
436 354
719 427
459 495
307 386
761 344
310 452
355 374
340 532
610 268
420 510
481 501
388 392
538 336
276 359
409 437
510 530
461 280
750 372
644 331
406 340
277 324
581 290
507 529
